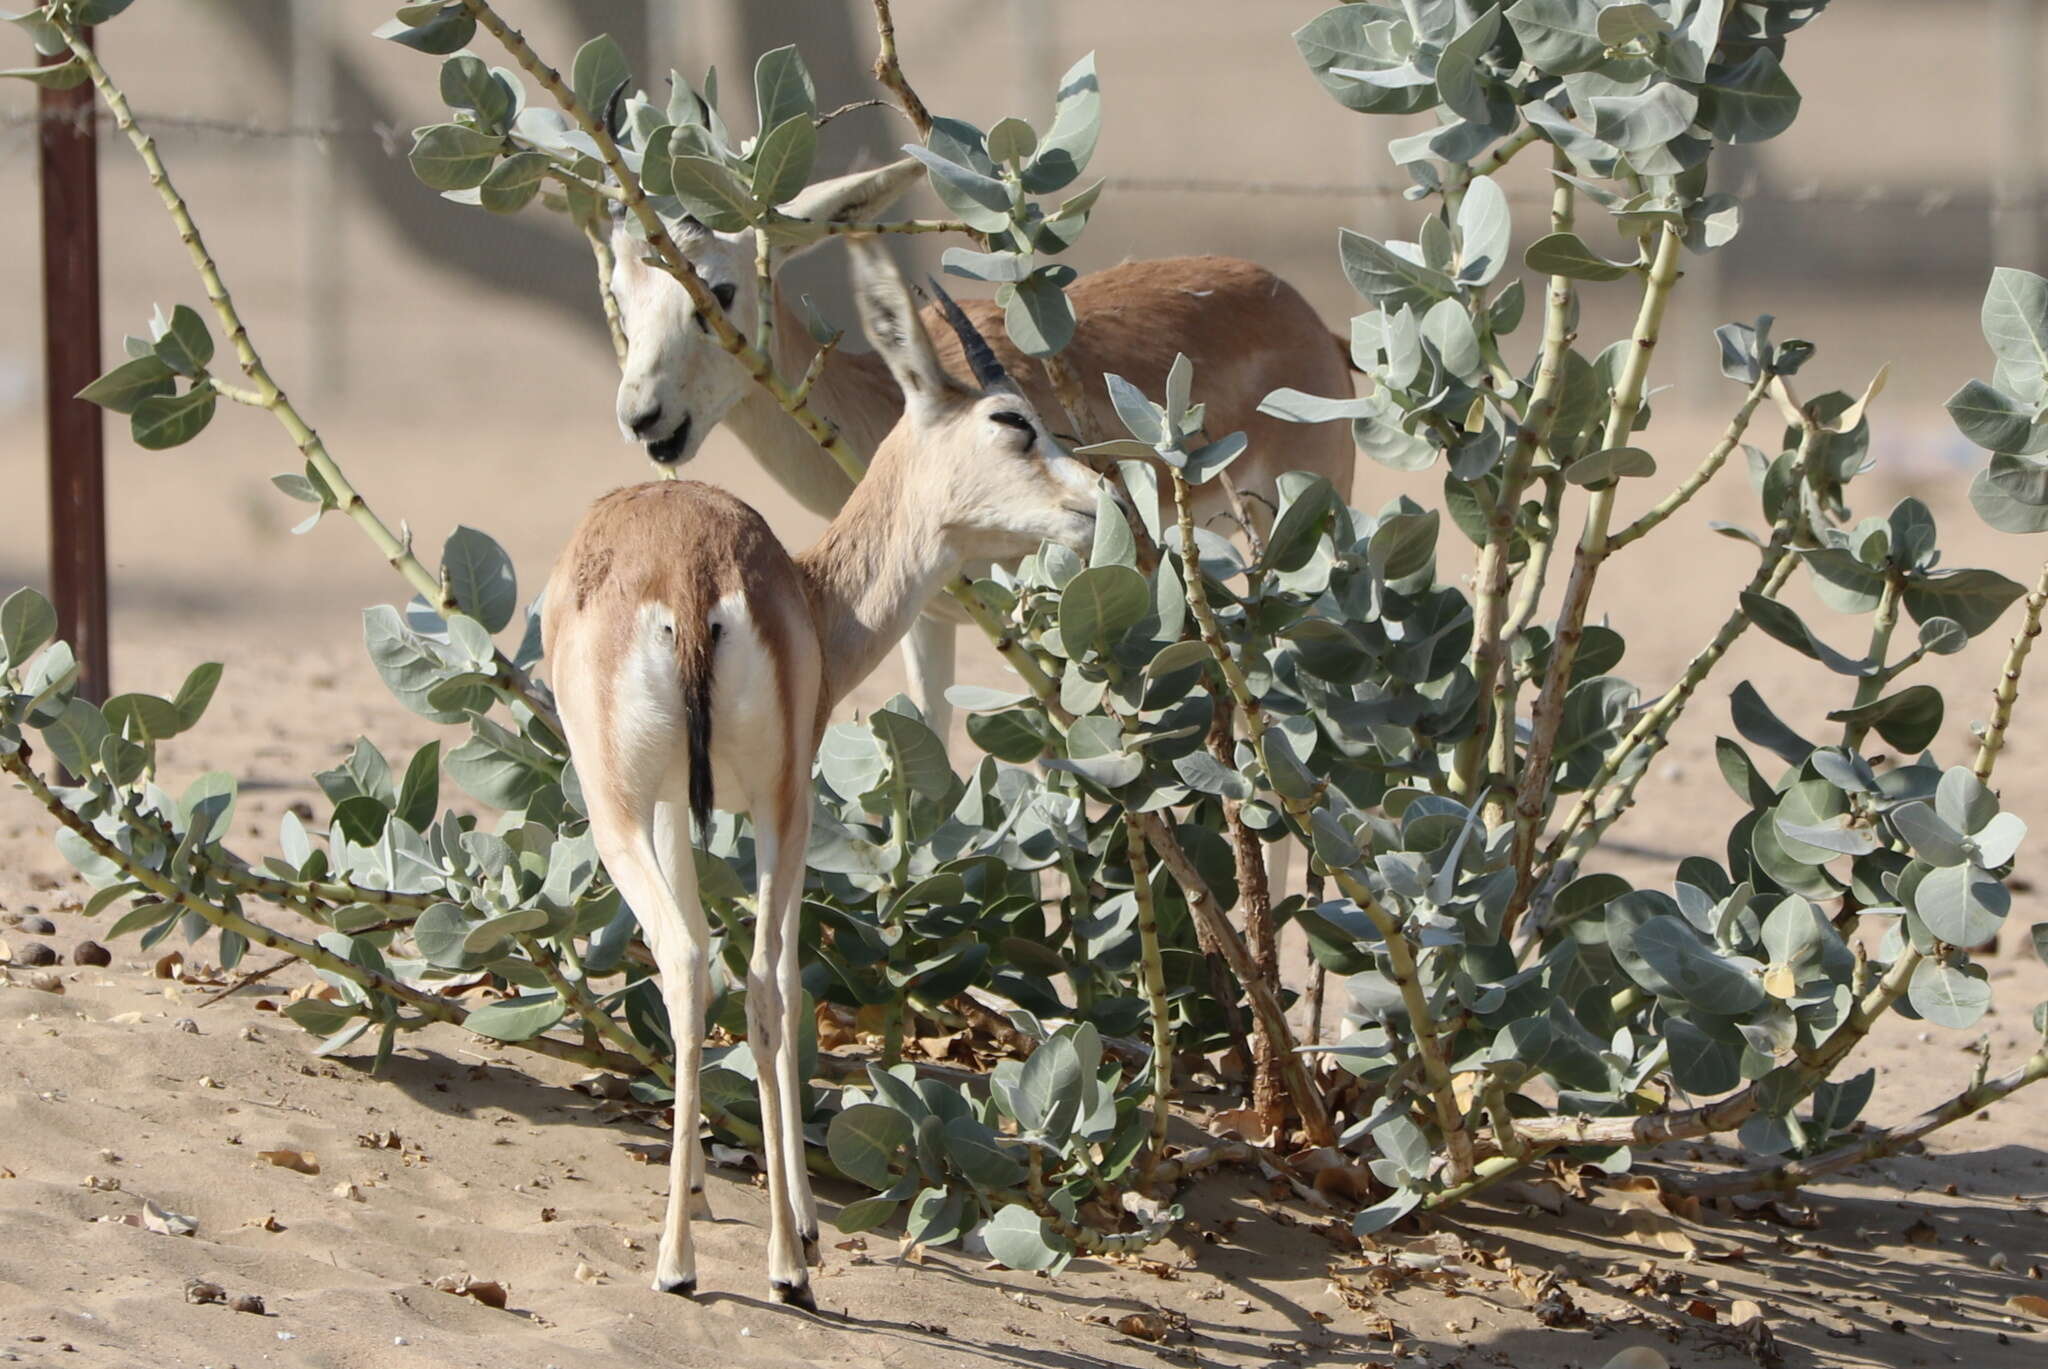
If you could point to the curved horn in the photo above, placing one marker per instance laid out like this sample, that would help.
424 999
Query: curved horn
980 356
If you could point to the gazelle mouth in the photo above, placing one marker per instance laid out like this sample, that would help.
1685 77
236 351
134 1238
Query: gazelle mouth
669 450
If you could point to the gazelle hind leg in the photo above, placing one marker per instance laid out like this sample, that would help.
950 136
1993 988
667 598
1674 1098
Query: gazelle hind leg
788 1276
789 985
673 922
679 867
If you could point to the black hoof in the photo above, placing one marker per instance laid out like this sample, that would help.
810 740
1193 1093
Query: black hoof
794 1294
682 1288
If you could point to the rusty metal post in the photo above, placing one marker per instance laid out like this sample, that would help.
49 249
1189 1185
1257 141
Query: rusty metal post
68 163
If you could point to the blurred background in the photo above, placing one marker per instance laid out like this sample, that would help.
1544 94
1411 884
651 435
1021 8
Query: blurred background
457 366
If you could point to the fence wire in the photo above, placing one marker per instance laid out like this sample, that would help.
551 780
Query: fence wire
395 139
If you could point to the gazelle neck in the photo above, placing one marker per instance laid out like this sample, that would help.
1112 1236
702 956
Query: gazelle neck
855 393
880 561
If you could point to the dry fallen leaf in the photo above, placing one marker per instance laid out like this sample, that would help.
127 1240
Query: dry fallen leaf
2033 1304
485 1291
167 965
1145 1326
1921 1232
1742 1312
268 1222
200 1291
165 1222
348 1192
586 1274
304 1161
99 1185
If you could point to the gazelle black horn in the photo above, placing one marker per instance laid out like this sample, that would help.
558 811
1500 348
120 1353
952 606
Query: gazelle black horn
980 356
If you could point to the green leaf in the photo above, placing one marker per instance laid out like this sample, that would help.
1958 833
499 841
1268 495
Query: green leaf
453 156
1558 37
1049 1089
185 346
1948 995
1750 103
1666 956
1624 23
1755 721
865 1214
1388 278
1484 229
1646 121
143 717
1990 417
916 755
164 421
1566 254
863 1139
1038 316
982 201
783 88
489 935
1962 904
597 74
514 182
782 161
1600 469
1101 604
713 193
2015 320
517 1019
480 575
977 1152
59 76
1296 407
437 32
1068 146
1908 720
74 737
128 384
1973 598
419 795
1019 1238
27 622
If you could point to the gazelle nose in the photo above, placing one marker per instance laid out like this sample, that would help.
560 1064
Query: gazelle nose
645 422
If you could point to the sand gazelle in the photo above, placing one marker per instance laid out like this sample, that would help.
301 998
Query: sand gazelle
695 662
1247 331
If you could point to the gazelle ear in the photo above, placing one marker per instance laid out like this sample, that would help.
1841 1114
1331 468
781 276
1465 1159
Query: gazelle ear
857 197
889 317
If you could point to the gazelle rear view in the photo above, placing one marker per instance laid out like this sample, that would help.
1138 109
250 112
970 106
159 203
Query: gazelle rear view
695 662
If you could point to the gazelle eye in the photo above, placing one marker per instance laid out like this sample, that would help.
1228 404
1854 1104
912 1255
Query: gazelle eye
723 293
1010 418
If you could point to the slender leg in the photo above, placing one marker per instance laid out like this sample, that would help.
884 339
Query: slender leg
928 662
678 866
788 1278
673 921
789 984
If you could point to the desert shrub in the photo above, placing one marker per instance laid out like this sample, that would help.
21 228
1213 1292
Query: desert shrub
1449 762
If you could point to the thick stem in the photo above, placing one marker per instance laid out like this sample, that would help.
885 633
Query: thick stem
1533 789
889 71
1255 902
1495 574
1155 996
1872 685
395 550
2007 690
1878 1144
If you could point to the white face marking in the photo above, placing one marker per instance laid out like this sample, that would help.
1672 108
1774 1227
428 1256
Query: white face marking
678 383
1009 486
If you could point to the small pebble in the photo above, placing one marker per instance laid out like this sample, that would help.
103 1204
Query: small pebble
38 926
33 953
46 981
187 1025
247 1302
199 1290
91 953
400 1340
287 1335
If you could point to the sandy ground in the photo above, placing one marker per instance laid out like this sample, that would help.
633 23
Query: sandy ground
489 411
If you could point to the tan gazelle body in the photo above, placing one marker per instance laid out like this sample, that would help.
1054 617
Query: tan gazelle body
1247 332
695 661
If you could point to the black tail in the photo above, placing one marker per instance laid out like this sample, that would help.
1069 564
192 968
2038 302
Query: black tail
697 674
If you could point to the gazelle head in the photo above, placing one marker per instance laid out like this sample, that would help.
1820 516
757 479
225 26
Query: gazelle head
980 459
679 383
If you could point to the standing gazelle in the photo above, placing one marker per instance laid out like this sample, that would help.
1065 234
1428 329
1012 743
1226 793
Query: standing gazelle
695 662
1247 331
